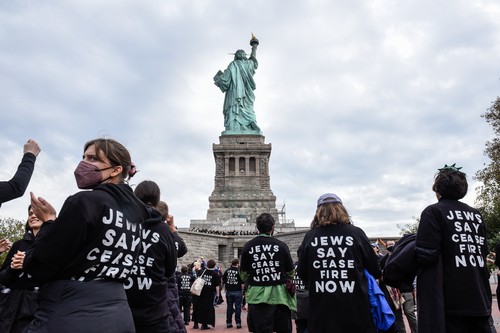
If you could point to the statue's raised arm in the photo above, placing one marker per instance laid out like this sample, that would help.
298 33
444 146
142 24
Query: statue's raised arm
238 85
254 42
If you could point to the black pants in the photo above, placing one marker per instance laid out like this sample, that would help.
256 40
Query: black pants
82 307
17 309
185 307
498 293
467 324
268 318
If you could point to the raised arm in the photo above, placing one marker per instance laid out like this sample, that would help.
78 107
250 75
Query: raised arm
254 42
16 187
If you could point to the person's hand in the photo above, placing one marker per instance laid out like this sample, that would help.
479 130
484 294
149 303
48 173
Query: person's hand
491 257
17 260
32 147
5 245
42 209
170 222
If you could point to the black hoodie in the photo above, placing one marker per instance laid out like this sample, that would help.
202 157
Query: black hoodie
15 187
97 235
16 278
147 287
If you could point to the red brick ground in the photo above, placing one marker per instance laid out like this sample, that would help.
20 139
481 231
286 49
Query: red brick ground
220 318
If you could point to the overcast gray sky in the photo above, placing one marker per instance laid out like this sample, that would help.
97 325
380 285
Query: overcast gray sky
365 99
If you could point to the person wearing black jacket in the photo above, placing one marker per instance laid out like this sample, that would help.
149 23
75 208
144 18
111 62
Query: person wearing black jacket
302 294
18 300
234 293
16 187
406 292
332 260
453 280
147 285
184 283
203 309
84 256
175 318
267 267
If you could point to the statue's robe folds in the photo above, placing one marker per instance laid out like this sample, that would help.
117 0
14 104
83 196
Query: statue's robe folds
238 84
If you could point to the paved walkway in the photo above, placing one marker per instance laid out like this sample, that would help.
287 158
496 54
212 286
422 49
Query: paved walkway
220 321
220 318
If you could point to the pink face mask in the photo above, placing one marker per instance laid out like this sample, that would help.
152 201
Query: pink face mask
88 176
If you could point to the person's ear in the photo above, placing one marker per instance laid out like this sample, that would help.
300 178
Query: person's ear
118 170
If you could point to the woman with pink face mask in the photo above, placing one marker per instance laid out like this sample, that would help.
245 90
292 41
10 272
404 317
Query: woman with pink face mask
82 257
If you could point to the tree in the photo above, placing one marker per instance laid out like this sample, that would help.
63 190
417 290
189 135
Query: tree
409 228
11 229
488 194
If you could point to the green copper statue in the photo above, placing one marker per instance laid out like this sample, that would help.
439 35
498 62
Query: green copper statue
238 84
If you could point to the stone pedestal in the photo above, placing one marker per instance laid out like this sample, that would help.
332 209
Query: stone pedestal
242 182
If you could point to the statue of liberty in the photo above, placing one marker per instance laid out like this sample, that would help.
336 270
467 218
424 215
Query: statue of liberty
238 84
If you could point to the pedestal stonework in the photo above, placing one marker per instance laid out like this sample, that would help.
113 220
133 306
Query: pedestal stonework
242 181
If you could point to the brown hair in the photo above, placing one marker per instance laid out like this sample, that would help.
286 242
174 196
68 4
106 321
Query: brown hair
117 154
330 213
27 227
162 207
211 263
148 192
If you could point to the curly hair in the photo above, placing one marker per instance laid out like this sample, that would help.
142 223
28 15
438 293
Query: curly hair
450 184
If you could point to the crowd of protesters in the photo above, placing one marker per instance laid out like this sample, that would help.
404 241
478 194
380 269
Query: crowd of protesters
225 232
107 263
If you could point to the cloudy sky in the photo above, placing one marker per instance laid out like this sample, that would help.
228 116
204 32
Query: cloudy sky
362 98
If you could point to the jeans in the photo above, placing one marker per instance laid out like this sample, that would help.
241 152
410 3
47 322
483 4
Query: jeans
233 299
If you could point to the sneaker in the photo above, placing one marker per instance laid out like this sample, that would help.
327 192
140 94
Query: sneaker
195 327
238 326
204 327
229 325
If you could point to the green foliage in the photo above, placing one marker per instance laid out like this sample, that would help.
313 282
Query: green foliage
491 216
488 194
409 228
11 229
